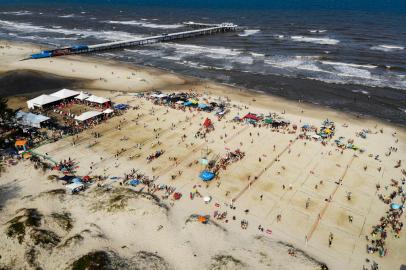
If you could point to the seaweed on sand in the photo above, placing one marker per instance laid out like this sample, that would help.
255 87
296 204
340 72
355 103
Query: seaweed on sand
92 260
29 217
226 262
119 197
45 238
100 260
64 220
31 257
55 192
148 260
305 255
73 240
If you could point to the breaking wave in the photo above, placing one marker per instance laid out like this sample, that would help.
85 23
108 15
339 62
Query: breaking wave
317 31
67 16
144 23
17 13
322 41
387 48
79 33
247 33
347 64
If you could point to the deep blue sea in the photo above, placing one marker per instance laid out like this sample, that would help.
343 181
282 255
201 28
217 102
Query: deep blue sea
349 55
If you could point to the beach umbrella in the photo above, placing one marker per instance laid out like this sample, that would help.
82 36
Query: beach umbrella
395 206
204 161
206 176
177 195
207 199
134 182
202 106
202 219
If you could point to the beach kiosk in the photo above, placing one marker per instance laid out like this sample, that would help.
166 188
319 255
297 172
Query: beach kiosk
21 146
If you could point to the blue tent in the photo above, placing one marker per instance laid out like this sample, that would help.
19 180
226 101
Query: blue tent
120 106
66 178
395 206
134 182
76 181
202 106
206 176
188 103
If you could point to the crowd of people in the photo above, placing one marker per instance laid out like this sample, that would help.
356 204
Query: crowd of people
224 162
391 222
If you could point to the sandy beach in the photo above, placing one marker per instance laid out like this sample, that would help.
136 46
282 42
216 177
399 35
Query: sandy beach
295 189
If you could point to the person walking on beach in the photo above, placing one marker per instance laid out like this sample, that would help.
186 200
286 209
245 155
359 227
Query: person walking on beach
330 239
307 203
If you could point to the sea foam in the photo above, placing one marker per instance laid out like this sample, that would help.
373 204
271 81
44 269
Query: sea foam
347 64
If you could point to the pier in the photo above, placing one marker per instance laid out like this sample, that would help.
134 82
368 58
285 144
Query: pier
201 29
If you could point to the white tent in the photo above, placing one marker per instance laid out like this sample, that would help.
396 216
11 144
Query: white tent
87 115
107 111
65 93
82 96
159 95
74 187
30 119
96 99
41 101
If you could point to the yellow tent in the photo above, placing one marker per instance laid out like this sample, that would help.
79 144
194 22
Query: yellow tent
193 101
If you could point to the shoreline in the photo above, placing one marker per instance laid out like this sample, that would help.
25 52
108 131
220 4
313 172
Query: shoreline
189 81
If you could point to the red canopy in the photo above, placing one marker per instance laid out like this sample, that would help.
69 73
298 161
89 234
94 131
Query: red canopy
207 123
252 116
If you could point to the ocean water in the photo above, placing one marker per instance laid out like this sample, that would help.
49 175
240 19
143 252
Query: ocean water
332 54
